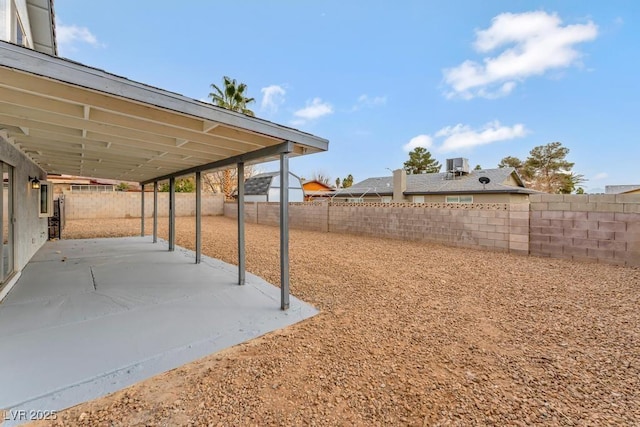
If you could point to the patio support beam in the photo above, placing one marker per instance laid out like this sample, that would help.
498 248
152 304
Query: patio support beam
241 240
198 217
142 211
284 231
155 212
172 214
261 154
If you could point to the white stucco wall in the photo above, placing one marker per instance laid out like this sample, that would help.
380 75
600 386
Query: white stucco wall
8 10
30 231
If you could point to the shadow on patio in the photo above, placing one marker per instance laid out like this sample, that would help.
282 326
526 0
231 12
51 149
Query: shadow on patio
89 317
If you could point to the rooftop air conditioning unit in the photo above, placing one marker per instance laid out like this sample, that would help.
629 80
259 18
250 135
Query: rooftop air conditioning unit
459 165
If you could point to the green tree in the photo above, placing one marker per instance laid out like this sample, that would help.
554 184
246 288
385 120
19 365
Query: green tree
569 183
420 161
550 171
348 181
518 165
183 185
123 186
337 182
546 169
231 96
478 168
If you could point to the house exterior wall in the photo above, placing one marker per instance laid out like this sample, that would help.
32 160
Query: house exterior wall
593 227
8 11
120 204
30 231
315 186
255 198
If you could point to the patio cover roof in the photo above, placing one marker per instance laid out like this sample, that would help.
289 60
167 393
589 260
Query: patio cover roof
77 120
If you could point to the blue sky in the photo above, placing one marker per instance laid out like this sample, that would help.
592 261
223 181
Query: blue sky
481 80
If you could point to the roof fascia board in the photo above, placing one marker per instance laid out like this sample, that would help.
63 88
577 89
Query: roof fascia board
284 148
74 73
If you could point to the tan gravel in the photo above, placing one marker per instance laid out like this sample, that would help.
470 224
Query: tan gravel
409 334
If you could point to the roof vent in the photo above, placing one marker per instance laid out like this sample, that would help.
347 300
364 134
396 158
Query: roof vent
457 167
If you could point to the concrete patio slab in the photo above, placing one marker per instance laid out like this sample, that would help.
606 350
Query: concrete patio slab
89 317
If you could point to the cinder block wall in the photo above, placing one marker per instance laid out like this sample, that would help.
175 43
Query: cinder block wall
250 211
494 226
600 227
127 205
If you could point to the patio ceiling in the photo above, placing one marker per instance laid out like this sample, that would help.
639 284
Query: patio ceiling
77 120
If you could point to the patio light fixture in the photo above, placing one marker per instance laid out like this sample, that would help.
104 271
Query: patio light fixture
35 183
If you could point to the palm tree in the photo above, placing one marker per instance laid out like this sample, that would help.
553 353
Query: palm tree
232 97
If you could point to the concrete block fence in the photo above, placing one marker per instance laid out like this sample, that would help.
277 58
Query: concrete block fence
127 205
593 227
596 228
495 226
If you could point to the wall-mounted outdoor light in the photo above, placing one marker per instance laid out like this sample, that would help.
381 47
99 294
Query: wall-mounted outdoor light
35 182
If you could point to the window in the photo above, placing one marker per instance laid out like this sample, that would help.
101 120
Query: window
94 188
21 39
459 199
46 199
418 199
386 199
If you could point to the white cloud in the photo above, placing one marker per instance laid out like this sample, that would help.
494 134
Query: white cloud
314 110
424 141
366 101
601 175
68 35
272 98
533 42
463 137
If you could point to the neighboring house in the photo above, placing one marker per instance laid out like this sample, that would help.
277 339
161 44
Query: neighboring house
61 117
63 184
317 190
265 187
457 185
622 189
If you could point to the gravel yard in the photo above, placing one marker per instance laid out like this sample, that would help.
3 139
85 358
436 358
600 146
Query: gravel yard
409 334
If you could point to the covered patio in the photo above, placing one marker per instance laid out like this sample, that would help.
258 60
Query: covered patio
69 118
89 317
83 318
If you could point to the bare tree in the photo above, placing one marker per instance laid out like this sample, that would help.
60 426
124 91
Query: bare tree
225 181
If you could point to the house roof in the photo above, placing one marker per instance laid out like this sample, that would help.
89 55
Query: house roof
620 189
320 183
443 183
258 185
77 120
